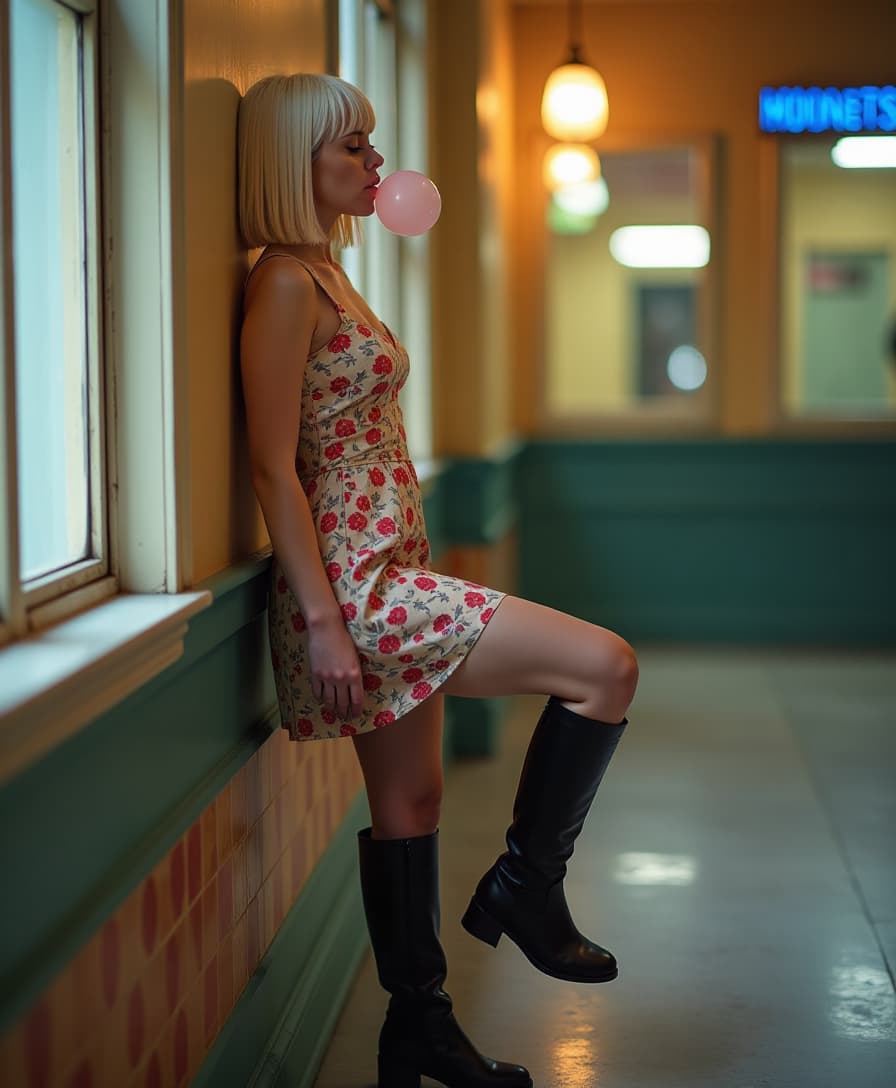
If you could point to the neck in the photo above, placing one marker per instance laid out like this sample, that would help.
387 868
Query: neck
313 254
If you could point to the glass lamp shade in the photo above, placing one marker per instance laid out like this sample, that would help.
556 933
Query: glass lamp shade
574 105
569 164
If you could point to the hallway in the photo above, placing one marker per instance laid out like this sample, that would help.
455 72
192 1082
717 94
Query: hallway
736 862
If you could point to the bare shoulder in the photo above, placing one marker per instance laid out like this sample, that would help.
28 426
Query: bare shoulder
283 287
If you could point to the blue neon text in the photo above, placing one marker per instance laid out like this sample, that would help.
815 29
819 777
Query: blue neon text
829 109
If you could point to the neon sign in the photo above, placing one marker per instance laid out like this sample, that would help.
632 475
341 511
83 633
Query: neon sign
828 109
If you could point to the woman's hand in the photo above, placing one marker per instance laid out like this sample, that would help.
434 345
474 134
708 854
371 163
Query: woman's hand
335 669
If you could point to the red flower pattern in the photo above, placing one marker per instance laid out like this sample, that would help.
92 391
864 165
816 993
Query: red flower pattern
339 343
351 417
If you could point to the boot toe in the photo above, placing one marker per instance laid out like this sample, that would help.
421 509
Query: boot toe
505 1075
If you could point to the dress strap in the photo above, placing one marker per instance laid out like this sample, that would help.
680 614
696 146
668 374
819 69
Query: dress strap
269 256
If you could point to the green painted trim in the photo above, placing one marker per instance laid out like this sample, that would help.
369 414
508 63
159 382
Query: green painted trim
280 1028
478 496
82 827
476 727
735 541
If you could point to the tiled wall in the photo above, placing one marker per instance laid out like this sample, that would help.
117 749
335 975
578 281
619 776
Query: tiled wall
143 1000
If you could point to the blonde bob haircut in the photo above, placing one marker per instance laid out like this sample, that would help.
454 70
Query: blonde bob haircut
283 122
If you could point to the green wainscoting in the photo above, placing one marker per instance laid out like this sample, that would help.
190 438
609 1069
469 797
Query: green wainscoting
477 505
716 540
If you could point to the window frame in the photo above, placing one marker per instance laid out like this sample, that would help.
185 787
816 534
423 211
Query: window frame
34 604
60 679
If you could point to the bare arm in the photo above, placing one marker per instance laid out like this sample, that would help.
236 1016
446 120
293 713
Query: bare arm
276 335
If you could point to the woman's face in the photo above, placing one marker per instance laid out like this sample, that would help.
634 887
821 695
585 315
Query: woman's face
344 176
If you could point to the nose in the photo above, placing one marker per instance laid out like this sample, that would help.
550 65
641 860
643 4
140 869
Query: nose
375 161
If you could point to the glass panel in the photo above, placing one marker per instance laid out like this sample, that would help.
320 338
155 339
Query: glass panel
838 288
50 320
627 316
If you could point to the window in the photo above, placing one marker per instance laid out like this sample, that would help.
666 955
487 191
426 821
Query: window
630 265
382 51
838 284
55 523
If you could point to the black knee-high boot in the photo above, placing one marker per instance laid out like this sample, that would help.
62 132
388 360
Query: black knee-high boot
420 1036
522 894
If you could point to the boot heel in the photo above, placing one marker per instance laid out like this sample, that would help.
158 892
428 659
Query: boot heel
394 1074
481 925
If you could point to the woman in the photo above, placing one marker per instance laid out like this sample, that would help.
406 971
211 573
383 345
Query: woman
365 637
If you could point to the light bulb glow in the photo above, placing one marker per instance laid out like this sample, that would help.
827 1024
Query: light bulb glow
864 152
574 104
562 221
584 198
570 164
661 247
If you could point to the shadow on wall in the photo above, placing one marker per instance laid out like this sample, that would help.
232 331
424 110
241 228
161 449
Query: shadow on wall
226 522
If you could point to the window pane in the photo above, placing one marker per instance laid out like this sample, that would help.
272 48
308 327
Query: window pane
838 284
50 297
627 320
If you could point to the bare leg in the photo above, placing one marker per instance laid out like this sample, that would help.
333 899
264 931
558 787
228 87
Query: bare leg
402 768
529 649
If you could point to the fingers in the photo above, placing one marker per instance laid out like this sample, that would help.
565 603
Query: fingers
344 695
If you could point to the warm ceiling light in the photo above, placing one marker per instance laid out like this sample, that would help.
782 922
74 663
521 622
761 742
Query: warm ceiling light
569 164
661 247
574 104
865 152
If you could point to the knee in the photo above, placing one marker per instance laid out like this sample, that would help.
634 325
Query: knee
625 670
615 679
410 814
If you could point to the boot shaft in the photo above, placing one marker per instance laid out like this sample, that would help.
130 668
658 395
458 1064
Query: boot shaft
400 890
564 765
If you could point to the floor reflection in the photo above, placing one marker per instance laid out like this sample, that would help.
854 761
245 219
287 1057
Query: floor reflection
635 868
863 1006
574 1062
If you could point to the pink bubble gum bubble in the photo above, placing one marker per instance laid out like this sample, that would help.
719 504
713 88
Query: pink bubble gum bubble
407 202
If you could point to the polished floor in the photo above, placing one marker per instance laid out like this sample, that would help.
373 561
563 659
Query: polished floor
740 860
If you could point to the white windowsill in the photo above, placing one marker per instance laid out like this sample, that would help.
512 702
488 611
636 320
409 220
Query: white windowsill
58 680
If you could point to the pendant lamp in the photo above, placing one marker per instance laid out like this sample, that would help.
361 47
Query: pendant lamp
574 105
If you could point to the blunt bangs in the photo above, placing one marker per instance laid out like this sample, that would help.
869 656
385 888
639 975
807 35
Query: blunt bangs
340 108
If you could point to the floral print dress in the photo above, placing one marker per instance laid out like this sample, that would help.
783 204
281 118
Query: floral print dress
412 626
